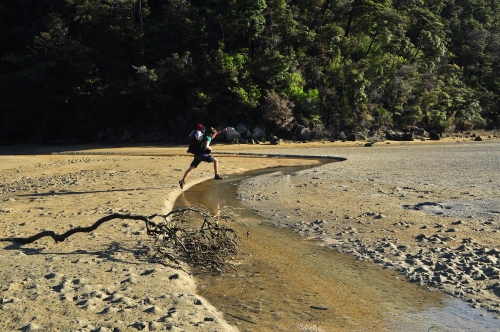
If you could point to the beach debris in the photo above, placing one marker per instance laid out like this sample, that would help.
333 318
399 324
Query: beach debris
185 236
318 307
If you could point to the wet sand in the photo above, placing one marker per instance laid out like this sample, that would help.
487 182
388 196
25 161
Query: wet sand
287 282
101 282
430 212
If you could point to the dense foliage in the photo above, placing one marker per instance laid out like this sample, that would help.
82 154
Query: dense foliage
84 69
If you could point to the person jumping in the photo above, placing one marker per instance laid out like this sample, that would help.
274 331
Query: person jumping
204 154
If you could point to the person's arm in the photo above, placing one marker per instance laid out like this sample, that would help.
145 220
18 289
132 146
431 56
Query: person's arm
207 144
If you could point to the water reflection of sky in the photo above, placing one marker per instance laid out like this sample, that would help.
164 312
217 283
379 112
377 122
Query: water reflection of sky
455 315
421 313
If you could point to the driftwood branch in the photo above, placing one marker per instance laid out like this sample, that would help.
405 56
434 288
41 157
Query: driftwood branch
64 236
188 235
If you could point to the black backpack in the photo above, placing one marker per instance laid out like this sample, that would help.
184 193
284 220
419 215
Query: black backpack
196 145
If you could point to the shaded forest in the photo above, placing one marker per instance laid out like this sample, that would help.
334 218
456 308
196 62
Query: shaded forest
83 70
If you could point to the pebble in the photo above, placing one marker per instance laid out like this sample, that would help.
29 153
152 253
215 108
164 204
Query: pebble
317 307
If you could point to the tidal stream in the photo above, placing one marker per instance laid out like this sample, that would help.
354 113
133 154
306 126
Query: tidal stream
283 282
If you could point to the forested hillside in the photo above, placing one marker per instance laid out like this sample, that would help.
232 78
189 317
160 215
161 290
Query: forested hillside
81 69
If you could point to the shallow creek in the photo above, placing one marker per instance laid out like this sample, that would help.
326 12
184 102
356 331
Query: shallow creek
283 282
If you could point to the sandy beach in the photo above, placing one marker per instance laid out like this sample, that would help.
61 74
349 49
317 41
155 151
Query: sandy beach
429 210
97 281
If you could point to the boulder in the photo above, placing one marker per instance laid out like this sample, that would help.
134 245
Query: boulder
419 131
433 135
232 134
241 128
407 137
275 140
258 133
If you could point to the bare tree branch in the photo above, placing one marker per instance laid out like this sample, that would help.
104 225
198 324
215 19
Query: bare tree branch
64 236
187 235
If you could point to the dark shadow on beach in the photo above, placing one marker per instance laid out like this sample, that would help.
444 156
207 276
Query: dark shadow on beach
24 149
63 193
106 253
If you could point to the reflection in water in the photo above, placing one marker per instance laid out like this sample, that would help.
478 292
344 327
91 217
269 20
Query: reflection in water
285 283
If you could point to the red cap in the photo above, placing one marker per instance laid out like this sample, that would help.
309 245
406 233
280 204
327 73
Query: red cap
199 126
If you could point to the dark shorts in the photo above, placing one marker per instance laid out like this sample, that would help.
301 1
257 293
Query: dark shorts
201 157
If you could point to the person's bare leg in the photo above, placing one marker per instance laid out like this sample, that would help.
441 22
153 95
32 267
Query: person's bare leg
182 182
216 170
187 172
216 166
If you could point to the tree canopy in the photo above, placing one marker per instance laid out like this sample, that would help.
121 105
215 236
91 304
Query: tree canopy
82 69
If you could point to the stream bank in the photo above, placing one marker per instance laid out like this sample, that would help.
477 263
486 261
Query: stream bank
284 282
